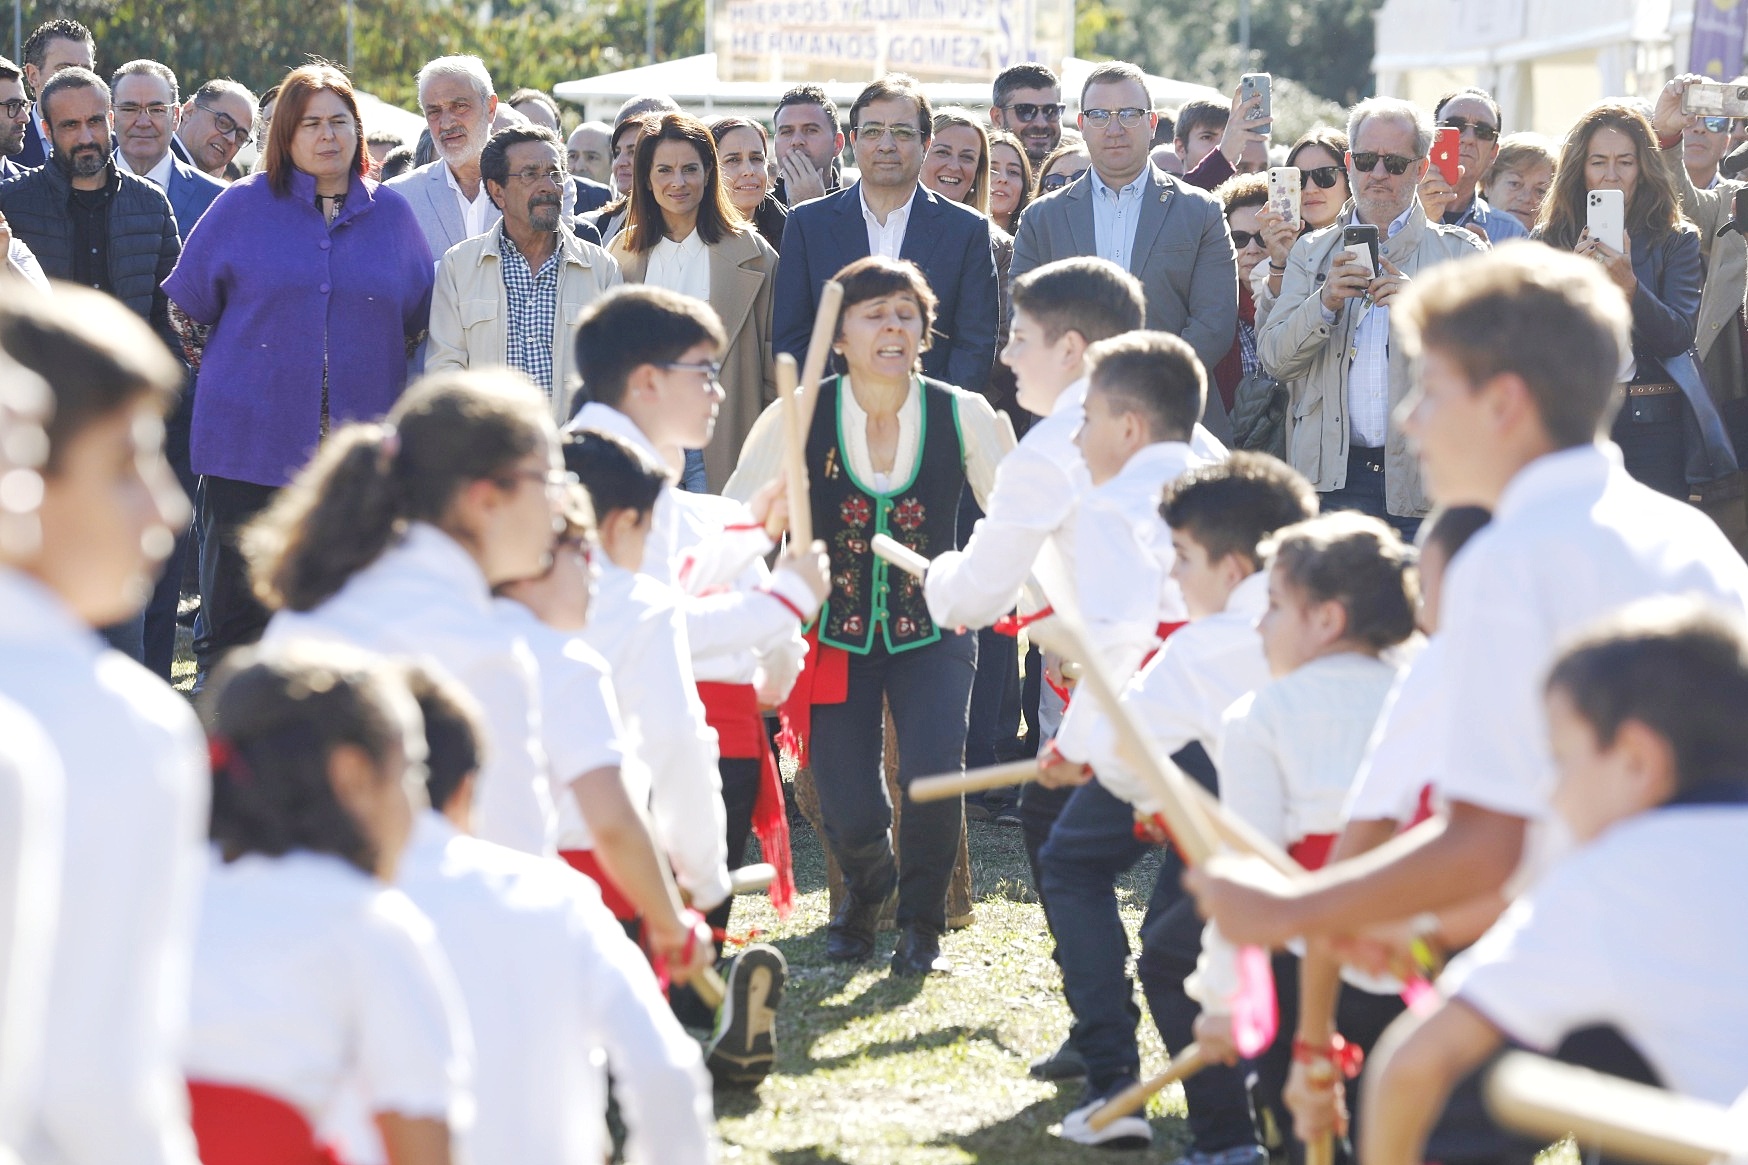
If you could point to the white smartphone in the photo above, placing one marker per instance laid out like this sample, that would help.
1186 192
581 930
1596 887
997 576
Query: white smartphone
1252 84
1284 193
1605 214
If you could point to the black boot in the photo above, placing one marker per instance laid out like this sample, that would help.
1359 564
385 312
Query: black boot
919 953
850 937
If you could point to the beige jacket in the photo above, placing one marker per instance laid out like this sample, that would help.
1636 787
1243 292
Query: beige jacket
469 310
1312 357
1726 278
743 268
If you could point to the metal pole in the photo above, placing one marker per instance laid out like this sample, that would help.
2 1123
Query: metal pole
1244 33
18 32
649 29
350 35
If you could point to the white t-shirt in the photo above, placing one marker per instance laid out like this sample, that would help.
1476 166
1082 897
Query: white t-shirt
426 599
32 811
311 977
1290 750
1399 762
133 856
1644 929
551 983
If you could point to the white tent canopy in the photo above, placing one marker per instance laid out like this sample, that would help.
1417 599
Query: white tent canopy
693 83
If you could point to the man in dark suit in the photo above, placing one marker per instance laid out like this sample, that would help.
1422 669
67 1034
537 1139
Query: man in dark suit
55 45
14 119
1170 236
889 212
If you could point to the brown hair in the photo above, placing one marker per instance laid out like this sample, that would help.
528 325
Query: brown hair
1154 374
876 276
1001 137
369 481
1355 560
891 86
295 92
1235 505
1066 148
717 216
1085 294
1653 207
978 198
1243 190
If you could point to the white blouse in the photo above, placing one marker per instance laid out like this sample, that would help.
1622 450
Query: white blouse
311 977
683 266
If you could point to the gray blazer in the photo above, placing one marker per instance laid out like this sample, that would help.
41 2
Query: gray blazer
427 191
1182 255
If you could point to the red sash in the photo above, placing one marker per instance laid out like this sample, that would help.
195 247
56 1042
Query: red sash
1312 850
824 679
583 861
733 710
239 1126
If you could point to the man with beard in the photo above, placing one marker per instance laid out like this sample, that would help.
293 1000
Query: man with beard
448 195
1028 104
533 267
14 119
89 222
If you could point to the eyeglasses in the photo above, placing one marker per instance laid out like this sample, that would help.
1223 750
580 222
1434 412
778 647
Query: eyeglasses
1324 176
14 107
902 135
1714 124
1482 130
1027 111
529 175
1058 181
552 479
128 110
1396 164
711 371
1243 239
1128 117
227 125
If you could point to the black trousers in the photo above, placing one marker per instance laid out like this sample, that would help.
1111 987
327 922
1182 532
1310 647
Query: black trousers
740 792
1364 490
1649 431
160 617
929 689
232 616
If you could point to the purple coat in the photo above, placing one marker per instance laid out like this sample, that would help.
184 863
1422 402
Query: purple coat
282 290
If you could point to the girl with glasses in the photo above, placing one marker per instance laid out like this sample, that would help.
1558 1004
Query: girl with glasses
1066 163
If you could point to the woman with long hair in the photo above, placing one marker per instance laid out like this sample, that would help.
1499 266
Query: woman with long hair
1010 180
1321 159
683 233
1613 147
1065 164
956 165
744 150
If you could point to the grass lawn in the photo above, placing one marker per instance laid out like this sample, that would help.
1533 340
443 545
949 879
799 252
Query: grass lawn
872 1069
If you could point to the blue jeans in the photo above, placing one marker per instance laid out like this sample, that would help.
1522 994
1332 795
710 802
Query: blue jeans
692 478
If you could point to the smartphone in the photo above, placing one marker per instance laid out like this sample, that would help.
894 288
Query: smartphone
1605 213
1361 243
1250 85
1715 99
1445 143
1739 212
1284 193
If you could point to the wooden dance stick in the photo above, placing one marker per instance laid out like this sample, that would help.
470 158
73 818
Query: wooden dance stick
709 986
751 879
993 777
1545 1098
1135 1097
819 347
1320 1150
794 456
899 555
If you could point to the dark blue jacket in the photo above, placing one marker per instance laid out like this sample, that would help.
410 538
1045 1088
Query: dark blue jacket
36 148
591 195
948 241
191 192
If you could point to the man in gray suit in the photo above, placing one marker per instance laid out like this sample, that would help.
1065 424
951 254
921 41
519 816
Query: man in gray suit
448 196
1170 236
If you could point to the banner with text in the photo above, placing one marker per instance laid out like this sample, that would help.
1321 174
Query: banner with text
1718 30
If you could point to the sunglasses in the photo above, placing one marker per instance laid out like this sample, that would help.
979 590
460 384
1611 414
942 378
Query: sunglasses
1026 111
1484 131
1324 176
1243 239
1058 181
1715 124
1396 164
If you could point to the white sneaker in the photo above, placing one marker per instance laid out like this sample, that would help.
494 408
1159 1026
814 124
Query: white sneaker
1128 1132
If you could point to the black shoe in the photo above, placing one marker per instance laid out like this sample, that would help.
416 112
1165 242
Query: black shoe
744 1046
850 937
919 953
1062 1064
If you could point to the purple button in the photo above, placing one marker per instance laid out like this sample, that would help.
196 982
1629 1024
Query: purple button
323 289
324 244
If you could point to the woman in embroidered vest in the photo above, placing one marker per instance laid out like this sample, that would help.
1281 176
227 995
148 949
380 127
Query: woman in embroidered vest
889 452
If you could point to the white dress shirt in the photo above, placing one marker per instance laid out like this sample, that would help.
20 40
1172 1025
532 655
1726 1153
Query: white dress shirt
133 855
683 266
312 978
1399 762
1183 692
1644 929
32 809
1116 213
474 212
1290 750
158 175
886 238
552 985
636 625
426 599
1368 374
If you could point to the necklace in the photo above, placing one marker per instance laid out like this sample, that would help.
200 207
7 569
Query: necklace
329 205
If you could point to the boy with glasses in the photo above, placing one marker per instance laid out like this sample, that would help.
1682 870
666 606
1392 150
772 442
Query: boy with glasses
1475 116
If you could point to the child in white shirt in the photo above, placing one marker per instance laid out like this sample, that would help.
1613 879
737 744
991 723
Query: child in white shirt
312 977
551 984
129 850
1638 929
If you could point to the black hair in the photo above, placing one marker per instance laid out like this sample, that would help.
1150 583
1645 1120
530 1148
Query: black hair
276 719
875 276
1234 506
525 95
1025 75
1155 374
633 325
36 46
455 737
891 86
617 474
1677 666
397 162
1204 111
494 159
1355 560
74 78
1450 528
368 481
95 355
809 95
1092 296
